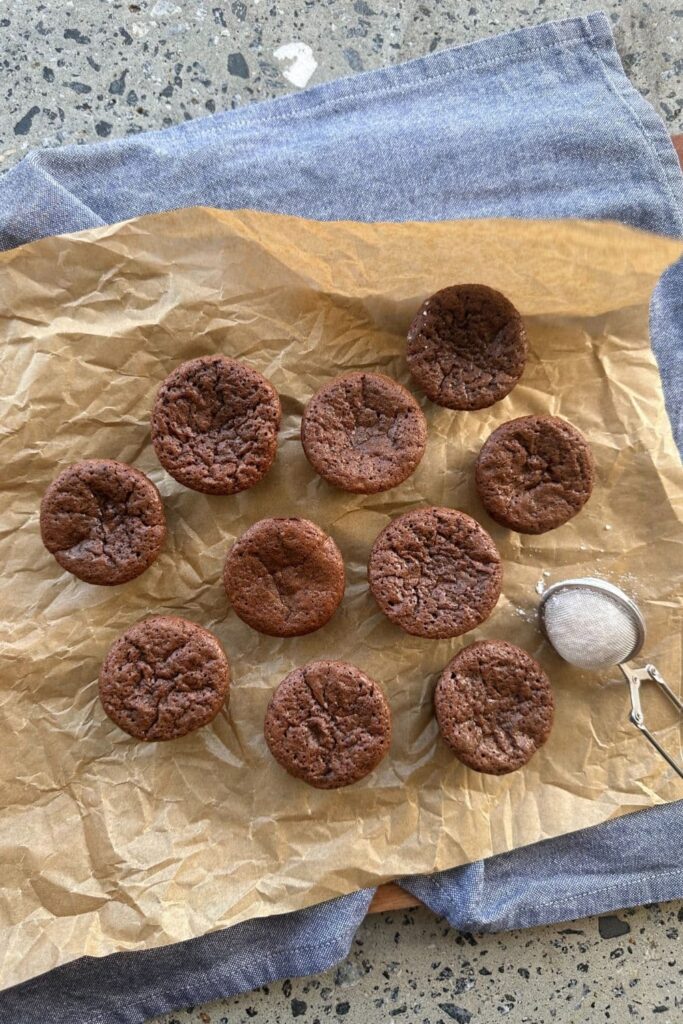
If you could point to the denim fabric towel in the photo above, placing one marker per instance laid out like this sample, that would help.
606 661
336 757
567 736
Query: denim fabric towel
538 123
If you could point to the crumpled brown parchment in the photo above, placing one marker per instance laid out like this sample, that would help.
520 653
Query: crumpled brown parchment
111 844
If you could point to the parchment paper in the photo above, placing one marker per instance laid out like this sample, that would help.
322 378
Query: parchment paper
110 844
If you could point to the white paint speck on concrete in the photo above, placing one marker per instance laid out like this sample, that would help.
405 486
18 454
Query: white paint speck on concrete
300 63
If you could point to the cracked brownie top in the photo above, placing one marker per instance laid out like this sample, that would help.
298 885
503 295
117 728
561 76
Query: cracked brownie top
284 577
163 678
534 473
328 724
214 425
103 521
435 572
467 347
364 432
494 706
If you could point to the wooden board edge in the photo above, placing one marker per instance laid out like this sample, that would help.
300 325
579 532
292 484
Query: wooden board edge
392 897
678 146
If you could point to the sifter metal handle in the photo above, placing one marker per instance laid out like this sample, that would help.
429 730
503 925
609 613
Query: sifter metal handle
649 674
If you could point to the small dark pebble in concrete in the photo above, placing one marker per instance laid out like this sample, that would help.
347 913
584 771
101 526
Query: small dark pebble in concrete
354 59
117 85
610 927
457 1013
78 37
237 65
23 125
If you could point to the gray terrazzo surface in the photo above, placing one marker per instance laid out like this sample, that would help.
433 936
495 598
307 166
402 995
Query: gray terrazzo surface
411 968
79 71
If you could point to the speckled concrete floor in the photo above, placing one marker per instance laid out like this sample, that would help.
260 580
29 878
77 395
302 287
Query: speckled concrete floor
79 71
413 968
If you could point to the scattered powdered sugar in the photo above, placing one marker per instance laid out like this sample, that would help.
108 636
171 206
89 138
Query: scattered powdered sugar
540 586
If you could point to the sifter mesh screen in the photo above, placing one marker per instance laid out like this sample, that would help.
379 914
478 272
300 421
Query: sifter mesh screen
589 629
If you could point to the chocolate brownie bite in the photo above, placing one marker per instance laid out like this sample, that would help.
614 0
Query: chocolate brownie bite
467 347
494 706
163 678
328 724
534 473
214 425
103 521
435 572
284 577
364 433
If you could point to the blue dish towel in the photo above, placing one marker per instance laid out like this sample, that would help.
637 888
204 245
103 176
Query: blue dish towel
538 123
